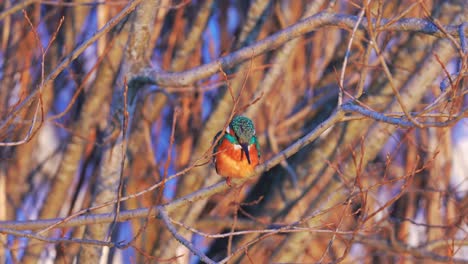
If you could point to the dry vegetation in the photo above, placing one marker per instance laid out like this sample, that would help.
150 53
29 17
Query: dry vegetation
108 111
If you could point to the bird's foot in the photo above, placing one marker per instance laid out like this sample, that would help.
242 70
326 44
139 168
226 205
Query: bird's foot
228 182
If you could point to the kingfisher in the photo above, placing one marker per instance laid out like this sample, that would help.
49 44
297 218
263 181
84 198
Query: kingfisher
238 152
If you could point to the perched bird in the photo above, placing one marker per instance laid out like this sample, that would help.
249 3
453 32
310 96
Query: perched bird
237 152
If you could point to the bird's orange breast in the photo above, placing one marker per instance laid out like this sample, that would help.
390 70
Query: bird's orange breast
232 162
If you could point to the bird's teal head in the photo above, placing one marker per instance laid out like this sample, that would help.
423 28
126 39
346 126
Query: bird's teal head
242 131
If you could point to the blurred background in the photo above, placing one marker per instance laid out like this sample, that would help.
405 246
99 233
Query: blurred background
365 191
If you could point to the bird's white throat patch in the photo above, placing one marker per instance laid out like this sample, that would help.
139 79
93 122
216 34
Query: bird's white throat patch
237 146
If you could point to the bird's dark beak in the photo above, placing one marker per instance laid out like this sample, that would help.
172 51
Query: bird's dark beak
245 148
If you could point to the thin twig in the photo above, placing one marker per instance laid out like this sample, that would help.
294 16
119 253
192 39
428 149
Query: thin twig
348 51
93 242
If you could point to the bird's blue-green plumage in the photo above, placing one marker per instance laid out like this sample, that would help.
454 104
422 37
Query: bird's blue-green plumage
244 133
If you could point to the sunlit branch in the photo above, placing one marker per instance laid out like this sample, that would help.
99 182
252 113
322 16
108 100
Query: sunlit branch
304 26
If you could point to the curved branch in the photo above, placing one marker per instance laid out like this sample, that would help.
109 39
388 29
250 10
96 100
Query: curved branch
165 217
304 26
182 201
